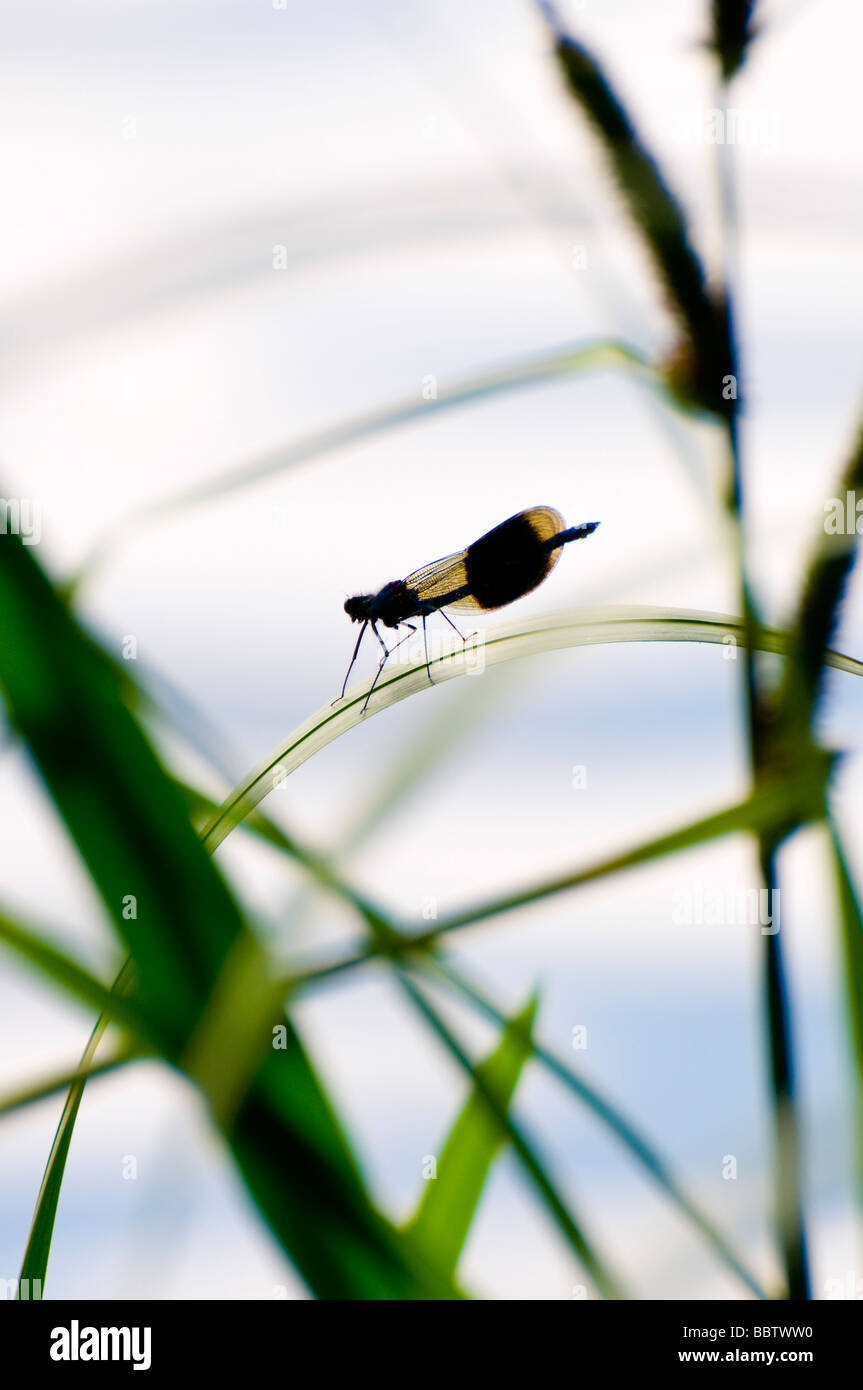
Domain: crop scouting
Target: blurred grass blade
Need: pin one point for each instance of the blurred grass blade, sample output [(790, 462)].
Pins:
[(638, 1147), (832, 559), (488, 1092), (788, 1169), (789, 735), (851, 923), (158, 888), (172, 908), (443, 1218), (425, 751), (56, 966), (704, 359), (225, 1050), (34, 1265), (623, 1130), (534, 371), (203, 809), (791, 801), (732, 33), (563, 1218), (61, 1081), (298, 1165), (572, 627)]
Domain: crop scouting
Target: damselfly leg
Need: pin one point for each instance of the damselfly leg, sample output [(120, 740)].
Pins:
[(388, 651), (351, 667), (464, 639)]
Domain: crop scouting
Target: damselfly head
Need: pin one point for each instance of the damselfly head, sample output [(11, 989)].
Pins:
[(357, 608)]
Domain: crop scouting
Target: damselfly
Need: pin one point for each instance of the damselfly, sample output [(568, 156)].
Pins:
[(501, 566)]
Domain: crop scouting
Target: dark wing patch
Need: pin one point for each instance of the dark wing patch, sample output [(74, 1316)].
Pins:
[(513, 559), (500, 567)]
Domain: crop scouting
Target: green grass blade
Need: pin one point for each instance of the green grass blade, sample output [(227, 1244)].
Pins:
[(830, 564), (303, 1176), (34, 1265), (61, 1081), (566, 1223), (793, 800), (204, 810), (789, 739), (623, 1129), (445, 1212), (439, 739), (851, 925), (783, 1082), (131, 827), (54, 965), (236, 1029), (644, 1154)]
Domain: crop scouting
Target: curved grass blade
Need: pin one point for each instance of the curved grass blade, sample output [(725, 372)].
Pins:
[(849, 666), (441, 737), (35, 1262), (203, 809), (443, 1218), (572, 627)]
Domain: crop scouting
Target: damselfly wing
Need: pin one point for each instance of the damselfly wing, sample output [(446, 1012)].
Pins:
[(503, 565)]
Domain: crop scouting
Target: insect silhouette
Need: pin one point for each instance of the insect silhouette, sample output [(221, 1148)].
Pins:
[(501, 566)]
